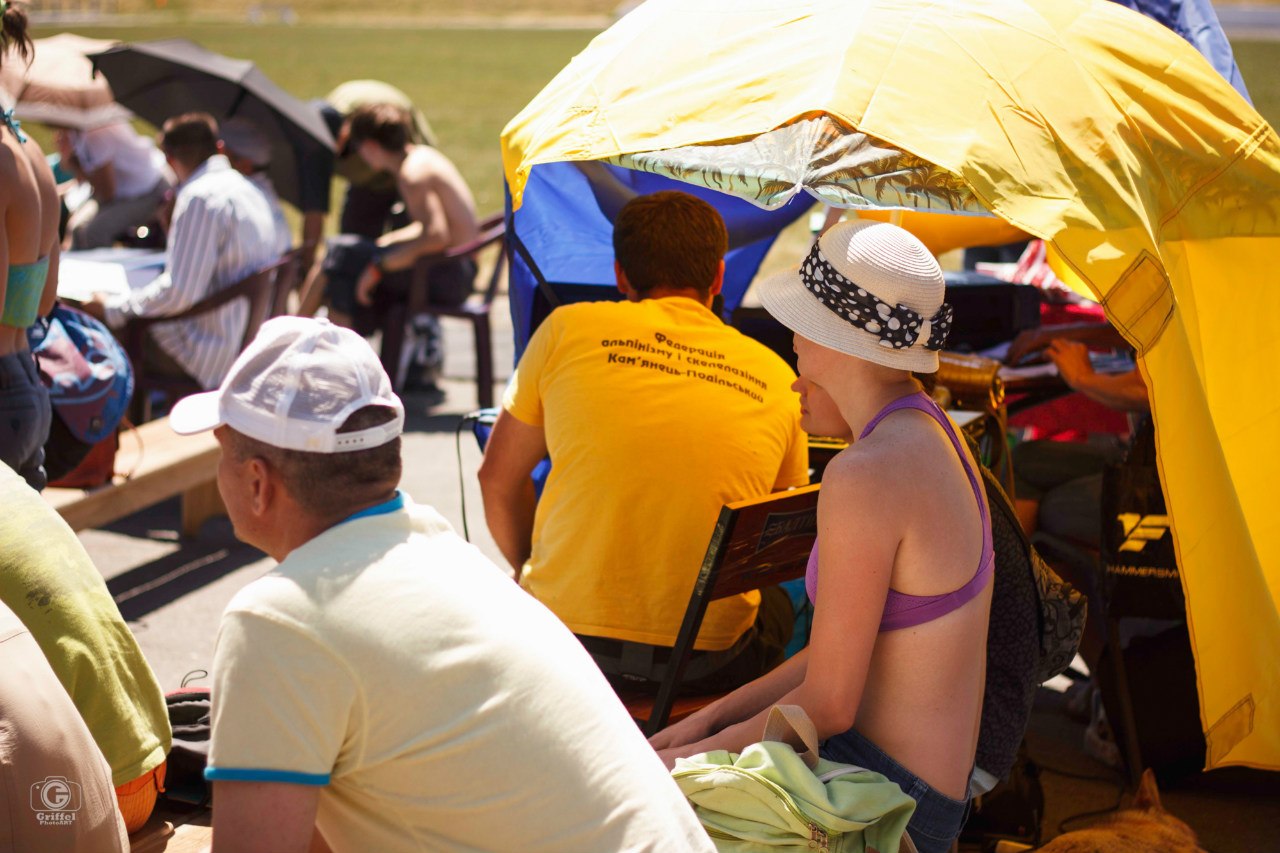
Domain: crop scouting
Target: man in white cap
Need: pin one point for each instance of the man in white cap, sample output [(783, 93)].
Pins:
[(386, 687), (249, 151)]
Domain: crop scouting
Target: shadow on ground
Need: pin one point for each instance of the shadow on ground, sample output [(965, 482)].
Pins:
[(201, 560)]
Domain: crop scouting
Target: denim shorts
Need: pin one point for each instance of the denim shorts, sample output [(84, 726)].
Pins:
[(25, 417), (937, 820)]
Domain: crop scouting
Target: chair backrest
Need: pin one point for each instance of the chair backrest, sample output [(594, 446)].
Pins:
[(756, 543), (258, 288), (492, 229)]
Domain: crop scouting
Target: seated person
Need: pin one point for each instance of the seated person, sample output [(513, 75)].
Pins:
[(656, 414), (1059, 483), (127, 175), (249, 152), (386, 687), (222, 231), (893, 676), (57, 792), (440, 210), (50, 583)]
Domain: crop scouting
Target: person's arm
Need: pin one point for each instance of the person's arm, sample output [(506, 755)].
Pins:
[(50, 294), (264, 817), (312, 234), (427, 234), (193, 256), (1031, 341), (858, 538), (513, 451), (103, 182), (742, 704), (1123, 391)]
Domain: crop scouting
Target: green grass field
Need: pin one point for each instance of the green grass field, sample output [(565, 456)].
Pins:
[(470, 82)]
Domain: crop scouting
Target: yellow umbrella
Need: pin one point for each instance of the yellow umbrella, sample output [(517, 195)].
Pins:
[(1077, 121)]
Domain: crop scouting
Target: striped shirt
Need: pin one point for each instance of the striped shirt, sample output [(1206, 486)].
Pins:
[(284, 239), (222, 231)]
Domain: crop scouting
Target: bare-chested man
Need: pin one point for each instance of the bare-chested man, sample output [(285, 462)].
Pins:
[(365, 279)]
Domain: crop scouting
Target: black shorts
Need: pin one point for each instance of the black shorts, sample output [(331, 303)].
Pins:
[(348, 255)]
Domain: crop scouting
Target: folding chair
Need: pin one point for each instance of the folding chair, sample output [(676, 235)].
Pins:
[(477, 312), (756, 543), (259, 288)]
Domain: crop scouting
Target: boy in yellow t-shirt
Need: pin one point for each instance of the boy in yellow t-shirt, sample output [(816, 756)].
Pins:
[(655, 414)]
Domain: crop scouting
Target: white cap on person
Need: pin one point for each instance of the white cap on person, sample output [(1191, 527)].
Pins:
[(294, 386)]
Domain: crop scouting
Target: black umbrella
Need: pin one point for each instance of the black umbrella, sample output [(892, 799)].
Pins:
[(161, 79)]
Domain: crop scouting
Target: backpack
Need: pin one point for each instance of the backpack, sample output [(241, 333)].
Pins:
[(779, 795), (1037, 619), (90, 382), (191, 722)]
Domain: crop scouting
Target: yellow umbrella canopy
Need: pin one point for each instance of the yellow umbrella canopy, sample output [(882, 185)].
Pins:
[(1155, 184)]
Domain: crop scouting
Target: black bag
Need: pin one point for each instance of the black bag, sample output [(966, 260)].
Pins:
[(1141, 577), (1142, 581), (190, 719), (1036, 623)]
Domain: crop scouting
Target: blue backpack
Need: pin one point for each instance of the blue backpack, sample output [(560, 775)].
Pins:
[(90, 382)]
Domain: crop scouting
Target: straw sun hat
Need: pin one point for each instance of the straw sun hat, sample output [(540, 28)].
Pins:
[(867, 289)]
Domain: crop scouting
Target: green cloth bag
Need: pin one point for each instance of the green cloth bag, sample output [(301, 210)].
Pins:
[(779, 795)]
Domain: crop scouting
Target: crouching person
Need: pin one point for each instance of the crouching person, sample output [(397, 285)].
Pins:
[(386, 687)]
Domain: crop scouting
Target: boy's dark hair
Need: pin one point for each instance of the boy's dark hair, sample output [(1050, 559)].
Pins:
[(190, 138), (386, 125), (327, 485), (669, 239), (13, 32)]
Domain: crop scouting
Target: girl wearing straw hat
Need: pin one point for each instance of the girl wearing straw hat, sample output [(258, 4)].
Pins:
[(901, 573)]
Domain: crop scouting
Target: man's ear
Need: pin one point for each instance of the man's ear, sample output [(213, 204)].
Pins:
[(718, 284), (624, 283), (263, 489)]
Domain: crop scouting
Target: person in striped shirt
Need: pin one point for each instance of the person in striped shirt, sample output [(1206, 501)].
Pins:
[(222, 231)]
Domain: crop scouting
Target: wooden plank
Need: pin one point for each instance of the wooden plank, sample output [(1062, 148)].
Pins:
[(161, 464), (171, 831)]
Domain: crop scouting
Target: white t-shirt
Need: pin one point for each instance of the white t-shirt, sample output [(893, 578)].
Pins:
[(137, 163), (441, 707)]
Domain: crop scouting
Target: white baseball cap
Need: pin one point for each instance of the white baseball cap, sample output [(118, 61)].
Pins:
[(294, 386)]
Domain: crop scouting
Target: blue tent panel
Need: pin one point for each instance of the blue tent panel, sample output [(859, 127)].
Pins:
[(561, 241)]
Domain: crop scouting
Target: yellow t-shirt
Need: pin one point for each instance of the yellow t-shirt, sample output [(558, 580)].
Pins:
[(656, 414), (48, 580)]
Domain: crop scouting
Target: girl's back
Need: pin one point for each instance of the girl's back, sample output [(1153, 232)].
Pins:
[(923, 695)]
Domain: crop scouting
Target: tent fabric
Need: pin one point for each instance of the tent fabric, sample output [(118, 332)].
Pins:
[(1156, 185), (1196, 22), (553, 264)]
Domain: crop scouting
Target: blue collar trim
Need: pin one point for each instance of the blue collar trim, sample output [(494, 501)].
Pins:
[(394, 505)]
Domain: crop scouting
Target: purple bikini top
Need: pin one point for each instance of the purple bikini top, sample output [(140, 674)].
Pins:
[(907, 611)]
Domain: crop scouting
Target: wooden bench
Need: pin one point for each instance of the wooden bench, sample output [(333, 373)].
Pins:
[(174, 830), (155, 463)]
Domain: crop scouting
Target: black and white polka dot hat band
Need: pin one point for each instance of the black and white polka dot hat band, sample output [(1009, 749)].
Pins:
[(867, 289)]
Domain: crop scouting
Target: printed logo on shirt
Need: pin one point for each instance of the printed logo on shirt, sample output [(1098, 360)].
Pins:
[(1141, 529), (55, 800), (670, 356)]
